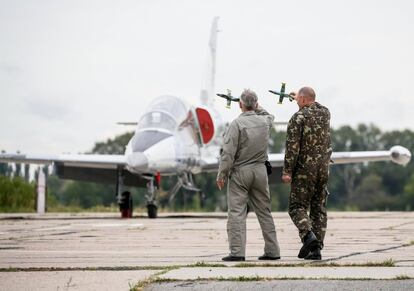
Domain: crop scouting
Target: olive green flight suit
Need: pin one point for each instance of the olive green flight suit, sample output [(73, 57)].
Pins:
[(242, 163), (307, 156)]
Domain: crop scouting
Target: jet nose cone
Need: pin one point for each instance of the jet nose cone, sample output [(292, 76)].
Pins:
[(137, 161)]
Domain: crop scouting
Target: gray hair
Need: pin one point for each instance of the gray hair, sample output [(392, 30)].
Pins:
[(249, 99)]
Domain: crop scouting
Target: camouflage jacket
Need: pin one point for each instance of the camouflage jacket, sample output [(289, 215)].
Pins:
[(245, 142), (308, 141)]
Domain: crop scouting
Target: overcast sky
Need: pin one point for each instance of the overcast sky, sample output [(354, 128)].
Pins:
[(69, 70)]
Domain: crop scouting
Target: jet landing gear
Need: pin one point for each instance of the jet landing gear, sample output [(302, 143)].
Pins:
[(124, 198), (152, 188), (185, 180), (126, 206), (152, 210)]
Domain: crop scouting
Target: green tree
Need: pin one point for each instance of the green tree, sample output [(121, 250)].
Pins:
[(370, 195), (215, 200), (16, 195), (277, 141), (408, 197), (87, 195), (114, 146)]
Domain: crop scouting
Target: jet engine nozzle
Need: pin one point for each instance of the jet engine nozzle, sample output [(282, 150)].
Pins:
[(400, 155)]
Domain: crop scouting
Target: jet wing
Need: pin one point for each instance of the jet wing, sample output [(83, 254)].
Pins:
[(82, 167), (397, 154), (77, 160)]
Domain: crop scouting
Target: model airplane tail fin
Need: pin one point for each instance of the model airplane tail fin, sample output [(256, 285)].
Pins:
[(207, 94)]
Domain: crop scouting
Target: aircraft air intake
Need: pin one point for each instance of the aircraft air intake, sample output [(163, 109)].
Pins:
[(137, 161), (206, 125)]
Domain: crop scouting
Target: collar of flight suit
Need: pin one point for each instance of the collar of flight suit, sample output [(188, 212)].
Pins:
[(248, 113)]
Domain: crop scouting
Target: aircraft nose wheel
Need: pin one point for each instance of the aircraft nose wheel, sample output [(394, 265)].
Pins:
[(152, 210)]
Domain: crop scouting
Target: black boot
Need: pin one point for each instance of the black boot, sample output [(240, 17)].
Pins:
[(268, 258), (231, 258), (314, 255), (310, 243)]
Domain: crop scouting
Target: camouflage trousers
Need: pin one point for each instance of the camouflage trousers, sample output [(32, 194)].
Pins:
[(309, 192)]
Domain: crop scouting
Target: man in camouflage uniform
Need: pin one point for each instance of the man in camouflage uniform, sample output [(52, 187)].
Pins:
[(242, 163), (307, 156)]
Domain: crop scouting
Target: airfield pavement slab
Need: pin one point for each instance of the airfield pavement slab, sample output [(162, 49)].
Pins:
[(291, 285), (71, 243), (227, 273), (73, 280)]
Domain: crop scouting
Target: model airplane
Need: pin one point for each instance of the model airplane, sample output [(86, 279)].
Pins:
[(172, 138), (282, 94), (229, 98)]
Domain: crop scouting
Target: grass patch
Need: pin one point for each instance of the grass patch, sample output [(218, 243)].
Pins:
[(411, 242), (242, 278), (150, 280), (202, 264), (402, 277), (78, 209), (274, 265), (57, 269), (386, 263)]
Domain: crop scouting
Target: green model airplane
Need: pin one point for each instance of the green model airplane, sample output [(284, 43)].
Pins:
[(229, 98), (282, 94)]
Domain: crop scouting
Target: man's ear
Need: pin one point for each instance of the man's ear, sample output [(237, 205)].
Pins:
[(240, 105)]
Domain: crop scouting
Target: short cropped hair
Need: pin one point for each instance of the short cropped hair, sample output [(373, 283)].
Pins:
[(249, 99), (308, 93)]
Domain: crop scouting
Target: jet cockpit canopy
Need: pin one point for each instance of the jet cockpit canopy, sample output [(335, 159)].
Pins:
[(166, 112)]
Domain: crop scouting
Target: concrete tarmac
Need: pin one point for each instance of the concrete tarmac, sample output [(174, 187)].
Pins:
[(57, 248), (291, 285)]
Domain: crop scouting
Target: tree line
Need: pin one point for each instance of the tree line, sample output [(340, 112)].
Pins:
[(364, 186)]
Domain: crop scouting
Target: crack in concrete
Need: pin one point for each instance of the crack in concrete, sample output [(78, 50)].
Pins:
[(363, 253), (396, 226)]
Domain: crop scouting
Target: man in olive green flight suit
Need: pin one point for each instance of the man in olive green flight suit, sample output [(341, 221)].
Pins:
[(242, 164), (307, 156)]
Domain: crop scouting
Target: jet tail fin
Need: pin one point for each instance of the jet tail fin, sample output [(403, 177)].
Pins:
[(207, 94)]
